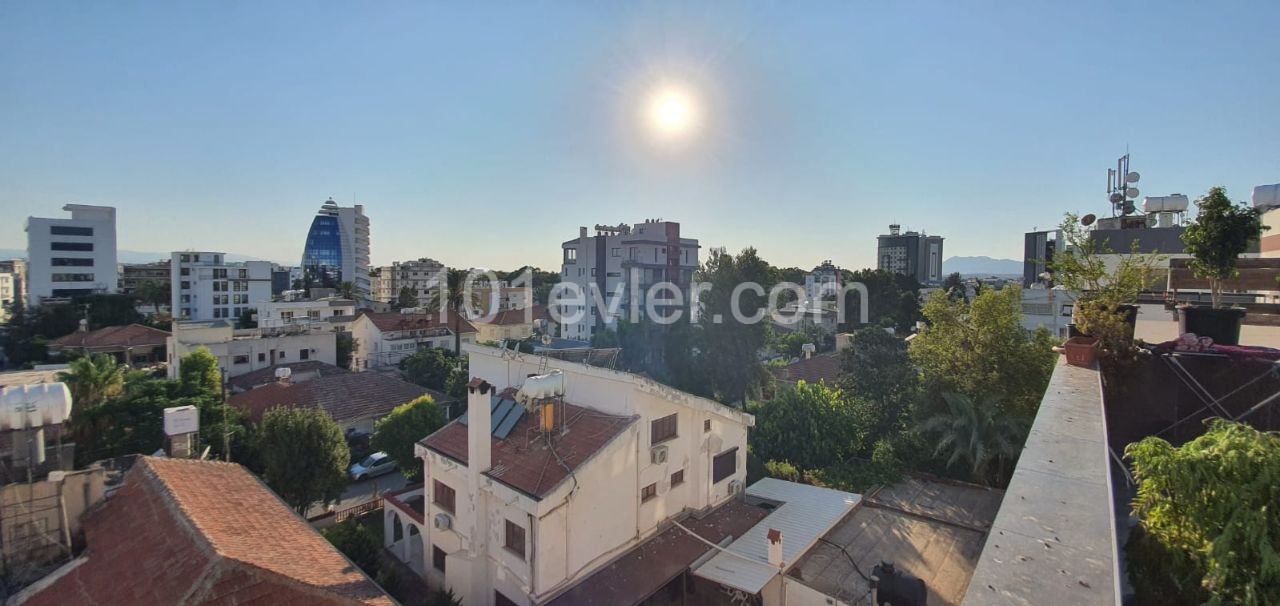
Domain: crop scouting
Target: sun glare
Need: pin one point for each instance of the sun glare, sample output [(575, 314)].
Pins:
[(672, 113)]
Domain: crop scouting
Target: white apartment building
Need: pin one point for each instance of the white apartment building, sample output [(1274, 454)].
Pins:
[(8, 293), (381, 340), (329, 312), (1048, 308), (337, 248), (627, 260), (514, 514), (822, 282), (421, 276), (206, 287), (71, 257), (245, 350)]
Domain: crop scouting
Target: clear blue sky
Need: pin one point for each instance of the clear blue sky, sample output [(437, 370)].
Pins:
[(486, 135)]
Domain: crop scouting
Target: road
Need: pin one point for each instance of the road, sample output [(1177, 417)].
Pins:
[(359, 492)]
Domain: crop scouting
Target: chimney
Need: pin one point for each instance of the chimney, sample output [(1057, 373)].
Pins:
[(775, 547), (479, 451), (582, 232)]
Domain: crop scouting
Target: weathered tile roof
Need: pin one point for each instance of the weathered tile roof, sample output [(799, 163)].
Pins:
[(396, 321), (133, 335), (819, 368), (508, 317), (183, 531), (345, 396), (262, 376)]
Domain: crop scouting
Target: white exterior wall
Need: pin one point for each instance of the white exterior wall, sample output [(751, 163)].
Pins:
[(376, 349), (101, 260), (569, 535), (354, 225), (242, 351), (274, 314), (7, 294), (1047, 308), (200, 282)]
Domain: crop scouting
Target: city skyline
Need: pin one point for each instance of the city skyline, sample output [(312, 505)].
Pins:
[(520, 125)]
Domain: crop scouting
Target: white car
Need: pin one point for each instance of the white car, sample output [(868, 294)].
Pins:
[(375, 464)]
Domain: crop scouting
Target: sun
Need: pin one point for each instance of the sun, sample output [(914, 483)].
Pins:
[(672, 113)]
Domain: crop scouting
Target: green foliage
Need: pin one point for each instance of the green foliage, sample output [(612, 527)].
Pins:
[(1222, 231), (877, 371), (246, 319), (303, 455), (345, 345), (1211, 505), (406, 299), (429, 367), (358, 542), (455, 298), (981, 350), (347, 290), (977, 435), (455, 386), (892, 300), (396, 433), (731, 364), (108, 310), (443, 597), (130, 424), (953, 285), (198, 374), (810, 425), (153, 293), (93, 380), (1084, 267), (784, 470)]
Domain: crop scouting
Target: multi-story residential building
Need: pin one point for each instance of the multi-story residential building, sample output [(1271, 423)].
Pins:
[(337, 248), (240, 351), (512, 324), (423, 277), (497, 297), (1038, 249), (622, 260), (71, 257), (823, 282), (323, 312), (382, 340), (8, 293), (281, 280), (206, 287), (914, 254), (133, 275), (17, 267)]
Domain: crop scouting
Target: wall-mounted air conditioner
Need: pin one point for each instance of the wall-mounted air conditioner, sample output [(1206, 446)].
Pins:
[(442, 521), (658, 454), (735, 486)]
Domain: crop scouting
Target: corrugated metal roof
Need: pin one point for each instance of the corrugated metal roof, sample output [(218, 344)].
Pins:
[(807, 512)]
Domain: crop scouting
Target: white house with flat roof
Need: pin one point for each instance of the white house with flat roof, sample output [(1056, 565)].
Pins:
[(204, 286), (73, 256), (246, 350)]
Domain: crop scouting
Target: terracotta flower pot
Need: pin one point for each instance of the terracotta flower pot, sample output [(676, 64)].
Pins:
[(1081, 351)]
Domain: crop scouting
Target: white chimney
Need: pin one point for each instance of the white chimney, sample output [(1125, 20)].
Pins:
[(775, 547), (479, 452)]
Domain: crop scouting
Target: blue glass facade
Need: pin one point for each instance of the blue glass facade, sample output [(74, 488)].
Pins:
[(322, 257)]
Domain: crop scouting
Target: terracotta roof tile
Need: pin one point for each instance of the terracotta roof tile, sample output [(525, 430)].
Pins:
[(508, 317), (182, 531), (819, 368), (392, 321), (262, 376), (133, 335), (345, 396)]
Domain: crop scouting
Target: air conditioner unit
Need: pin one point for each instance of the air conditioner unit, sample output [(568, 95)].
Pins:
[(658, 455), (735, 486), (442, 521)]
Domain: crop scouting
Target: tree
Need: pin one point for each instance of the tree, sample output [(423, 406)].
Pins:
[(811, 426), (1222, 232), (93, 380), (108, 309), (429, 367), (454, 299), (397, 433), (129, 424), (976, 434), (345, 345), (889, 295), (731, 344), (358, 542), (1211, 504), (246, 319), (877, 369), (953, 285), (153, 293), (198, 374), (406, 299), (347, 290), (981, 350), (304, 456)]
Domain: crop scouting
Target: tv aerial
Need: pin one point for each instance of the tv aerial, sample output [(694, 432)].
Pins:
[(1120, 187)]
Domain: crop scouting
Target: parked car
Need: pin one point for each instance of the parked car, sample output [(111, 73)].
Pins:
[(373, 465)]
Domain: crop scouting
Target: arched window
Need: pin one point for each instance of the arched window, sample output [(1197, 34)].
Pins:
[(397, 531), (413, 530)]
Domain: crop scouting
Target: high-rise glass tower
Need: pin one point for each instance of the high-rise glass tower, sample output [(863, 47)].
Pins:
[(337, 248)]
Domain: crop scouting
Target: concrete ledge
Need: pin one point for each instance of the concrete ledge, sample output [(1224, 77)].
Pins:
[(1054, 539)]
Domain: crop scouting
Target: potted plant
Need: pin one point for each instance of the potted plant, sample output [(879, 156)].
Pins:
[(1222, 231), (1106, 290)]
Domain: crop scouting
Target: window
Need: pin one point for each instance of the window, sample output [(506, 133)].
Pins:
[(67, 230), (648, 492), (184, 271), (617, 252), (661, 430), (501, 600), (677, 478), (724, 465), (437, 558), (240, 360), (184, 285), (81, 246), (443, 496), (262, 357), (304, 354), (69, 262), (185, 258), (515, 538), (72, 277), (593, 271), (282, 354), (706, 425), (220, 273), (570, 255)]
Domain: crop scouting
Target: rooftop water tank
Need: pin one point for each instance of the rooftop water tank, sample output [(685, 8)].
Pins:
[(540, 387), (1175, 203), (27, 406), (1266, 196)]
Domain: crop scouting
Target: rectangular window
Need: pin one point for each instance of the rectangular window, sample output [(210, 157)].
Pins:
[(72, 277), (706, 425), (262, 357), (184, 271), (69, 262), (304, 354), (515, 538), (67, 230), (443, 496), (677, 478), (282, 354), (80, 246), (184, 258), (648, 492), (617, 252), (437, 558), (724, 465), (240, 360), (570, 255), (501, 600), (661, 430), (184, 285)]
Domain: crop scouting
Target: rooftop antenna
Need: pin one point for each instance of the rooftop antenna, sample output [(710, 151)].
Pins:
[(1120, 186)]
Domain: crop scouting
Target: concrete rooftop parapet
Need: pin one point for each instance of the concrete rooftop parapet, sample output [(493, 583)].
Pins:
[(1054, 538)]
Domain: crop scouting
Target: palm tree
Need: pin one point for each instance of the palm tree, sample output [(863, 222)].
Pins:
[(154, 293), (348, 290), (978, 434), (454, 298), (93, 380)]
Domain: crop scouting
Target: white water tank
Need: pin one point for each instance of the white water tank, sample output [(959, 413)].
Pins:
[(540, 387), (27, 406), (1266, 196), (1175, 203)]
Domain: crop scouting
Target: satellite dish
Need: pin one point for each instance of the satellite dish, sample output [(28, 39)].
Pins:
[(1128, 207), (1117, 198), (1132, 177), (1088, 219), (546, 339), (1132, 192)]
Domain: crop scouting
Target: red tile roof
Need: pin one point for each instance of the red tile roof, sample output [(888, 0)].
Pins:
[(262, 376), (182, 531), (532, 467), (395, 321), (652, 564), (133, 335), (345, 396), (819, 368), (508, 317)]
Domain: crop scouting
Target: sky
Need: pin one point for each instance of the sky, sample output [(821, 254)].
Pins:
[(485, 134)]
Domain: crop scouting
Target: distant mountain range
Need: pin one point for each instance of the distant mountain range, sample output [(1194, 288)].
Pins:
[(982, 266), (129, 256)]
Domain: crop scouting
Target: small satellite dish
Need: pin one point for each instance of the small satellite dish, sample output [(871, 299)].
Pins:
[(1132, 177), (546, 339), (1132, 192), (1088, 219), (1117, 198)]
